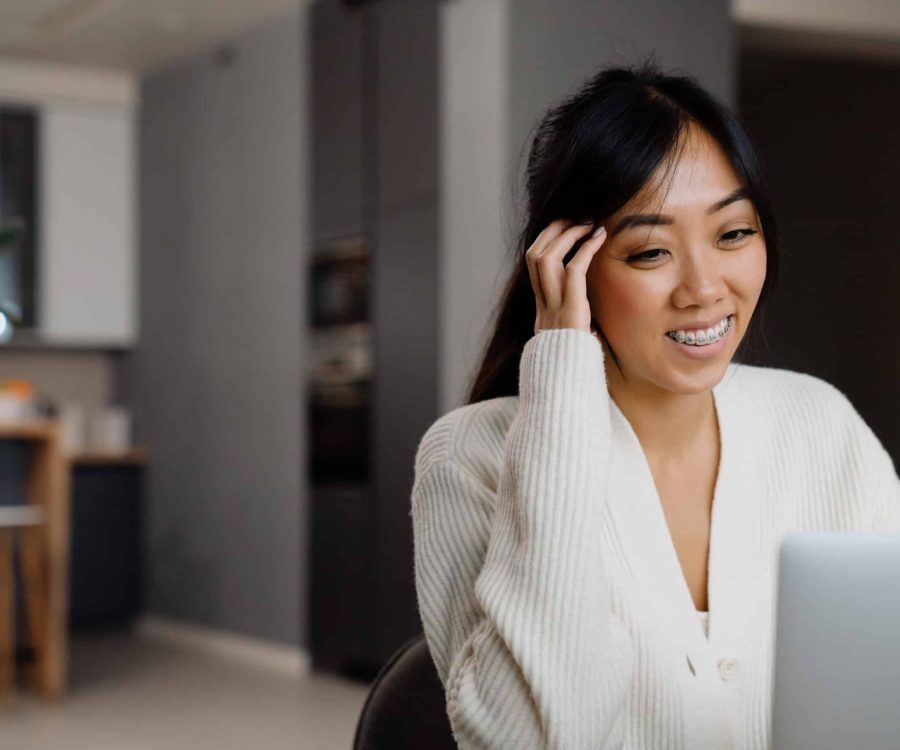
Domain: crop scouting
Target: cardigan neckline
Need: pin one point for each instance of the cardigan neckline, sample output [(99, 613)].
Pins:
[(733, 555)]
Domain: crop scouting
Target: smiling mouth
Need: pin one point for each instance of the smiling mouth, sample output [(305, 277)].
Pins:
[(703, 337)]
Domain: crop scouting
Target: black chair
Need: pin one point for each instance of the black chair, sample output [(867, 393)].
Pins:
[(406, 707)]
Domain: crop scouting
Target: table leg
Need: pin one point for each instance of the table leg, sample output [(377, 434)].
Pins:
[(34, 590), (7, 614)]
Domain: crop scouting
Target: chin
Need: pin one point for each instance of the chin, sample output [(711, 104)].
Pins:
[(701, 380), (673, 373)]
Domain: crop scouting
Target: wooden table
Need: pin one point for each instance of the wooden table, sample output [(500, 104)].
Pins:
[(43, 535)]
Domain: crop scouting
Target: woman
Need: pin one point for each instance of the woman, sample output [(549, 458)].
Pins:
[(596, 532)]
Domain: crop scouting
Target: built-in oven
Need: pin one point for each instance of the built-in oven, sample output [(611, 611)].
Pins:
[(340, 380)]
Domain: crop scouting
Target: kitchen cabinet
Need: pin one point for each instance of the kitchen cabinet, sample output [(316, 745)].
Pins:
[(106, 512), (87, 257), (373, 271)]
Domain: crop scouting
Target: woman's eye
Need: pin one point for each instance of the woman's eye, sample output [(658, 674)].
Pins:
[(646, 255), (735, 235), (741, 233)]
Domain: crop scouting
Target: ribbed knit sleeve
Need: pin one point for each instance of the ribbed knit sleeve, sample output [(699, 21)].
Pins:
[(511, 583), (867, 458), (888, 517), (887, 494)]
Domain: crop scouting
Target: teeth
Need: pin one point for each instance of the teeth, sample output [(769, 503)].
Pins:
[(702, 337)]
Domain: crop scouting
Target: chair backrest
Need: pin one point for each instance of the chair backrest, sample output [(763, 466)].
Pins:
[(406, 707)]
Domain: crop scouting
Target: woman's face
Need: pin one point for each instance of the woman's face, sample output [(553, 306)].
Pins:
[(683, 263)]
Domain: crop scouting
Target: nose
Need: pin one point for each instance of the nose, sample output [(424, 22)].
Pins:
[(701, 279)]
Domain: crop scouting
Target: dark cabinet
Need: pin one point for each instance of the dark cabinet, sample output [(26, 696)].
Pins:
[(105, 547), (342, 604), (373, 283)]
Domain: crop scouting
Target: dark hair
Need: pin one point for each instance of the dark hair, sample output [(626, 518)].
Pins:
[(590, 155)]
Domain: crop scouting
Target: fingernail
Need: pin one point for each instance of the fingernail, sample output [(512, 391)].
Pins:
[(598, 231)]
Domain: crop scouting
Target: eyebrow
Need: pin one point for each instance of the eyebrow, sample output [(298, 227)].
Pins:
[(644, 220)]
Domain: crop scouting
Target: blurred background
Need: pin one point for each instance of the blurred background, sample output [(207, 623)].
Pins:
[(249, 252)]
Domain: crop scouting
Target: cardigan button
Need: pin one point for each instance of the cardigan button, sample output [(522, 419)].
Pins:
[(728, 668)]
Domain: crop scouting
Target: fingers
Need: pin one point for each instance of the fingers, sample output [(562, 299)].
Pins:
[(575, 274), (582, 260), (561, 289), (545, 257), (549, 233)]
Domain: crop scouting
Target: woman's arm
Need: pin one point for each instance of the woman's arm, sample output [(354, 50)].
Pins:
[(515, 603), (887, 505), (867, 464)]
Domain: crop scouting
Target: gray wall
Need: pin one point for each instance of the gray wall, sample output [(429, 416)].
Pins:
[(474, 101), (541, 50), (555, 45), (216, 380)]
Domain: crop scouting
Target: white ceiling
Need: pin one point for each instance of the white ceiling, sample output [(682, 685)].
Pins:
[(861, 28), (877, 19), (142, 35), (131, 35)]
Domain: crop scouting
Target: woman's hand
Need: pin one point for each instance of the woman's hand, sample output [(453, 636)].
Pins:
[(561, 290)]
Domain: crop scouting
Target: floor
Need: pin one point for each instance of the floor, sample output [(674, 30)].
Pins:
[(133, 694)]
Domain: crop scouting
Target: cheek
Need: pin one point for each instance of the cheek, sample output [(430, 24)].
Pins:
[(751, 271), (623, 300)]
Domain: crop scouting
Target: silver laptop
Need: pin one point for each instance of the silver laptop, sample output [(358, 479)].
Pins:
[(837, 643)]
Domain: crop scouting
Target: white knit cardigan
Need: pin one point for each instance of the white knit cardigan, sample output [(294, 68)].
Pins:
[(550, 592)]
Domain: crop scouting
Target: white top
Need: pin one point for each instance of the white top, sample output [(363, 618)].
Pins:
[(550, 592), (704, 621)]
